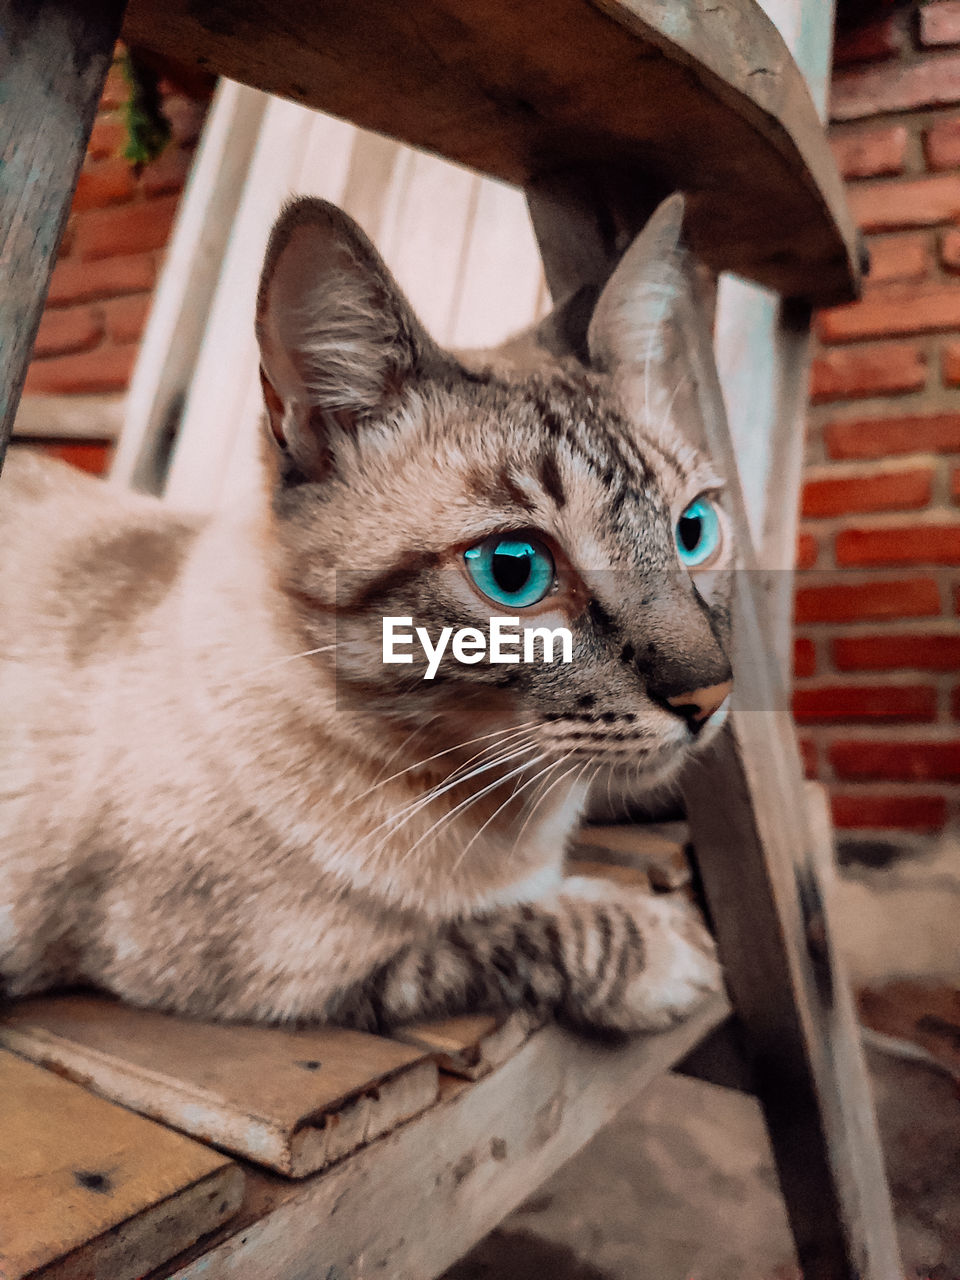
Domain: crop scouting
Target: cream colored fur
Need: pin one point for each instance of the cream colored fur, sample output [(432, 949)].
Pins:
[(194, 814)]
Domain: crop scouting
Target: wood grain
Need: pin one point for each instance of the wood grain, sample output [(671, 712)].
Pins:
[(694, 96), (473, 1045), (292, 1100), (412, 1203), (87, 1188), (53, 61)]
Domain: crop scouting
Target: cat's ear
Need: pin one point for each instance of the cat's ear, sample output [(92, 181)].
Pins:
[(339, 343), (631, 320)]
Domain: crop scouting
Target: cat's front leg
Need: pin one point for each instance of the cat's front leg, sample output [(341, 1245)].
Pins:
[(594, 955)]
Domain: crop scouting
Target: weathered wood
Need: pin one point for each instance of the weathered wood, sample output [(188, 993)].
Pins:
[(658, 850), (473, 1045), (292, 1100), (54, 59), (749, 827), (181, 303), (702, 98), (87, 1188), (412, 1203)]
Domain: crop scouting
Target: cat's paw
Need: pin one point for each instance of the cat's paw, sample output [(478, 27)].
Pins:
[(680, 970), (667, 964)]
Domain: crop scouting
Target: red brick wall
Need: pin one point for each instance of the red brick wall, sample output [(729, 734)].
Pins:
[(878, 644), (119, 224)]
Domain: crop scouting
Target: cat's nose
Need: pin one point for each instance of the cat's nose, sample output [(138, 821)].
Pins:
[(697, 705)]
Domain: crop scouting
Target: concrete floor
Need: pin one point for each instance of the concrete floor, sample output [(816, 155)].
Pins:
[(682, 1187)]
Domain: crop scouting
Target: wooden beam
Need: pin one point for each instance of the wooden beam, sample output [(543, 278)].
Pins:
[(417, 1199), (749, 827), (55, 58), (703, 98), (293, 1100), (89, 1189)]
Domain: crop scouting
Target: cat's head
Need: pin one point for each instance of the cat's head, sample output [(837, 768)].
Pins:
[(409, 483)]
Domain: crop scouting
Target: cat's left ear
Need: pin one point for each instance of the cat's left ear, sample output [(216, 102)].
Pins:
[(631, 321), (339, 343)]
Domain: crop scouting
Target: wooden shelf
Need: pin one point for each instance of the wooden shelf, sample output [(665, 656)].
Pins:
[(647, 96)]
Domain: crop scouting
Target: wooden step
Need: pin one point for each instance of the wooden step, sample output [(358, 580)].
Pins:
[(648, 96), (89, 1189), (292, 1100), (414, 1202)]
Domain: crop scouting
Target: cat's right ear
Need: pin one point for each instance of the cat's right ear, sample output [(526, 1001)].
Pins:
[(339, 343)]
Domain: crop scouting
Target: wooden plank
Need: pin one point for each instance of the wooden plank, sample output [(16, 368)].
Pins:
[(53, 63), (471, 1046), (748, 824), (69, 417), (87, 1188), (182, 301), (412, 1203), (292, 1100), (704, 98), (658, 850)]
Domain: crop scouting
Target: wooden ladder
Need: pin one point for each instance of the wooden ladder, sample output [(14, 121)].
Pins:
[(597, 108)]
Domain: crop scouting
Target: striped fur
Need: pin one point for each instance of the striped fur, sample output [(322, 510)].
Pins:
[(216, 799)]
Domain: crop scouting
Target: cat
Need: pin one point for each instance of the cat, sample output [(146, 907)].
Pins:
[(216, 798)]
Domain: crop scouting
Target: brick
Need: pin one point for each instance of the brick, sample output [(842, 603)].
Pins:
[(950, 364), (880, 491), (84, 373), (883, 369), (940, 23), (808, 754), (899, 309), (168, 173), (892, 206), (909, 813), (955, 702), (898, 258), (107, 138), (72, 329), (807, 551), (897, 761), (804, 657), (956, 600), (92, 456), (913, 544), (941, 145), (871, 91), (868, 601), (950, 250), (131, 228), (125, 317), (104, 183), (869, 43), (87, 281), (870, 154), (955, 484), (915, 703), (902, 651), (879, 437)]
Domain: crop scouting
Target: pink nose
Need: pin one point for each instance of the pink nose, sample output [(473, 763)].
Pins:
[(699, 705)]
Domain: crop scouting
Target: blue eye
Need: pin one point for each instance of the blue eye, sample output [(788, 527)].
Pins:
[(512, 570), (698, 533)]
